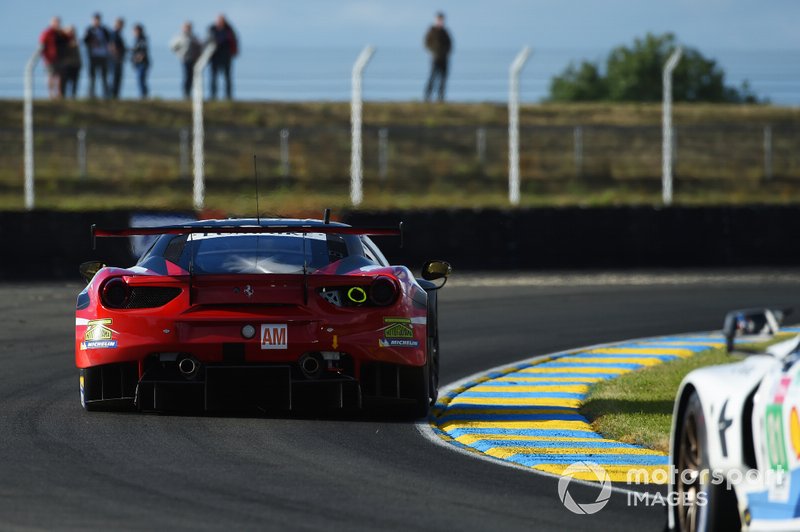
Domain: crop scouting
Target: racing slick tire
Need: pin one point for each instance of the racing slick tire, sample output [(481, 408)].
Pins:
[(433, 371), (693, 478), (421, 392)]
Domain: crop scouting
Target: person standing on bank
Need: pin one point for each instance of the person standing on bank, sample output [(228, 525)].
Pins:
[(223, 35), (187, 47), (97, 44), (439, 44), (118, 50), (51, 43), (70, 64), (140, 57)]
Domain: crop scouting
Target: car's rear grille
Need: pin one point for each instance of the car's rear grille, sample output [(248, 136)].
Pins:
[(151, 296)]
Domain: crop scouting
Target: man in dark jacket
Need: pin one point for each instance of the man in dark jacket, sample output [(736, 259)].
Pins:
[(439, 44), (118, 50), (97, 40), (223, 35)]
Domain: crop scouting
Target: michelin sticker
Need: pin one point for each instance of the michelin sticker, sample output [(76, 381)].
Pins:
[(398, 333), (99, 335)]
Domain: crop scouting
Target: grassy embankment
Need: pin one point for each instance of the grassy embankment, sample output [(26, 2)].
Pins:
[(133, 155), (637, 407)]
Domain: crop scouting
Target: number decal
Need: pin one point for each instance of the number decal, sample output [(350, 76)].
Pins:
[(776, 446)]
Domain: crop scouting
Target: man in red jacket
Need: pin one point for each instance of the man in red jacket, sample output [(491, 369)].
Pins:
[(51, 42)]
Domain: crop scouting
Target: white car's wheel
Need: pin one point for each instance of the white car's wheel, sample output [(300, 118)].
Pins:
[(691, 460), (701, 505)]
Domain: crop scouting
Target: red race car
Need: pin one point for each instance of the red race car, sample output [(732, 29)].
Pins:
[(265, 315)]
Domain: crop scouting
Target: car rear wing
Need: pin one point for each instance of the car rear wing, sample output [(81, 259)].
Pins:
[(246, 229)]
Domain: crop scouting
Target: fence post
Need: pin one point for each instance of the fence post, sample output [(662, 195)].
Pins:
[(356, 171), (767, 152), (674, 147), (480, 144), (82, 153), (513, 124), (666, 123), (578, 155), (198, 138), (285, 170), (383, 153), (27, 126), (184, 152)]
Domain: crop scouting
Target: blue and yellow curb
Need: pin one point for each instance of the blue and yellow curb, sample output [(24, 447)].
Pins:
[(528, 413)]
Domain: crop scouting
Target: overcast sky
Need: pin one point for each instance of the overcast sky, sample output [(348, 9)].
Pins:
[(595, 25)]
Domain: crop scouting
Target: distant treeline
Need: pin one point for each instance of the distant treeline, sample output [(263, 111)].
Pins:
[(634, 74)]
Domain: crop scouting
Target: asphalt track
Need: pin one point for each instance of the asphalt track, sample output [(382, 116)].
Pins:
[(62, 468)]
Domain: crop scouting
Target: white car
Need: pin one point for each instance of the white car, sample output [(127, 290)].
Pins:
[(735, 441)]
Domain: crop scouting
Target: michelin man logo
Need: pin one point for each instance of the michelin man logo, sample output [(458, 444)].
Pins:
[(588, 471)]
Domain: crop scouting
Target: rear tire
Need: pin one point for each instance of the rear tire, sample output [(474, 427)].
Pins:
[(421, 396), (433, 372), (89, 407)]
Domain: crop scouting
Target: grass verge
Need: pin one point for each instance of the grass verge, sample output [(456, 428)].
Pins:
[(637, 407), (131, 155)]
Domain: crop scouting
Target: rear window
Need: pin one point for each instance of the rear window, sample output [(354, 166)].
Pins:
[(271, 253)]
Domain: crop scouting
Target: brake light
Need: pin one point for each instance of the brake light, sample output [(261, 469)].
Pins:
[(115, 293), (383, 291)]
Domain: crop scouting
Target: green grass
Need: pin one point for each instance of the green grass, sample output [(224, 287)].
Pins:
[(637, 407), (165, 113), (300, 201), (133, 155)]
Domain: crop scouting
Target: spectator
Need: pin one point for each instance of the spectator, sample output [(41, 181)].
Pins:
[(97, 48), (223, 35), (187, 47), (117, 50), (70, 64), (140, 58), (51, 42), (438, 43)]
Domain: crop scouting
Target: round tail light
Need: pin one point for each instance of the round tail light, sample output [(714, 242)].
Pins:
[(383, 291), (115, 293)]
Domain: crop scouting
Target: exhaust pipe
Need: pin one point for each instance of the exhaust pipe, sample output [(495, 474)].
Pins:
[(188, 366), (311, 365)]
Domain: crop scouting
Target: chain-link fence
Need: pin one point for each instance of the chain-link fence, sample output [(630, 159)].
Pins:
[(145, 160)]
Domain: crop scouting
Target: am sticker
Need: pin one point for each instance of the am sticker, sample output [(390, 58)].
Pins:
[(274, 336)]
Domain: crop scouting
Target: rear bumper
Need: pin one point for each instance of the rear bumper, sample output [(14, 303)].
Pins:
[(218, 338), (221, 387)]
